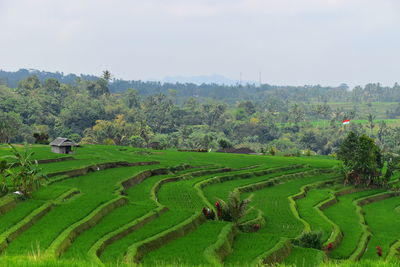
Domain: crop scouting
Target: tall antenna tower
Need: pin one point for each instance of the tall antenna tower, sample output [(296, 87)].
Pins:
[(259, 78), (240, 78)]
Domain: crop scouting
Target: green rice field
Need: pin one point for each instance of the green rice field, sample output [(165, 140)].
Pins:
[(122, 206)]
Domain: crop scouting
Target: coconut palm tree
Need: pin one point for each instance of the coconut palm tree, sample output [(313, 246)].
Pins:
[(371, 123)]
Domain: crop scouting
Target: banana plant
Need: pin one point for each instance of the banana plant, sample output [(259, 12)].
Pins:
[(25, 173)]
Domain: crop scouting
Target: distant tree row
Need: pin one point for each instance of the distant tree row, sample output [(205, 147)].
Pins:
[(373, 92), (87, 111)]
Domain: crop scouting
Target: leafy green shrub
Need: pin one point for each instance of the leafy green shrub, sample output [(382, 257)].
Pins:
[(311, 239), (224, 143)]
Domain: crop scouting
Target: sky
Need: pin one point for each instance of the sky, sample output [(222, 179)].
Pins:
[(291, 42)]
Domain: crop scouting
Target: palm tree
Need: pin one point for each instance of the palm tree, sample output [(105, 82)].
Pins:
[(371, 123), (107, 75), (234, 209)]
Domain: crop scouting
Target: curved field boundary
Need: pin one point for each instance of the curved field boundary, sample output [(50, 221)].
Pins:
[(41, 161), (247, 226), (65, 239), (337, 235), (8, 203), (302, 194), (220, 179), (245, 175), (97, 249), (8, 236), (44, 161), (276, 254), (185, 177), (216, 253), (366, 236), (279, 180), (283, 248), (96, 167), (394, 251), (136, 252)]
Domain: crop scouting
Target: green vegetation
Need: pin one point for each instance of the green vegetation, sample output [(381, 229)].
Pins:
[(307, 208), (278, 120), (362, 161), (305, 257), (153, 213), (345, 215), (197, 241), (382, 218), (96, 188), (27, 177)]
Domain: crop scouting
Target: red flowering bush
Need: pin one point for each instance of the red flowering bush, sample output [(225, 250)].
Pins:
[(379, 251), (256, 227), (219, 210), (209, 214), (329, 247)]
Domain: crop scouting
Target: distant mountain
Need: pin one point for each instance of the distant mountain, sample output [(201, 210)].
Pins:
[(204, 79), (11, 78)]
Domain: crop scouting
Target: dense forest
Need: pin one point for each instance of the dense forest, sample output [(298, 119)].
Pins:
[(38, 106)]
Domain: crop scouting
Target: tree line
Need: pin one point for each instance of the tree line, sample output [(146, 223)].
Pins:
[(87, 111)]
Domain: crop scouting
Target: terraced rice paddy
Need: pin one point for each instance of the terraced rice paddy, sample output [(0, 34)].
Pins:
[(148, 209), (346, 216), (383, 219)]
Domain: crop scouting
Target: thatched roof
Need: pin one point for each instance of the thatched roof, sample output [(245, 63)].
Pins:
[(59, 141)]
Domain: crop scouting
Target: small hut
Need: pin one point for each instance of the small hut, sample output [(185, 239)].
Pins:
[(62, 145)]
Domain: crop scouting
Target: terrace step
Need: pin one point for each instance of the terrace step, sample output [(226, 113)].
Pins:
[(280, 180), (44, 161), (184, 227), (282, 187), (115, 234), (316, 214), (339, 238), (245, 175), (65, 239), (12, 233), (368, 235), (96, 167), (8, 202), (137, 251)]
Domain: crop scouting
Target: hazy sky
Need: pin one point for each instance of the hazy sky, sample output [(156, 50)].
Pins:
[(290, 41)]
